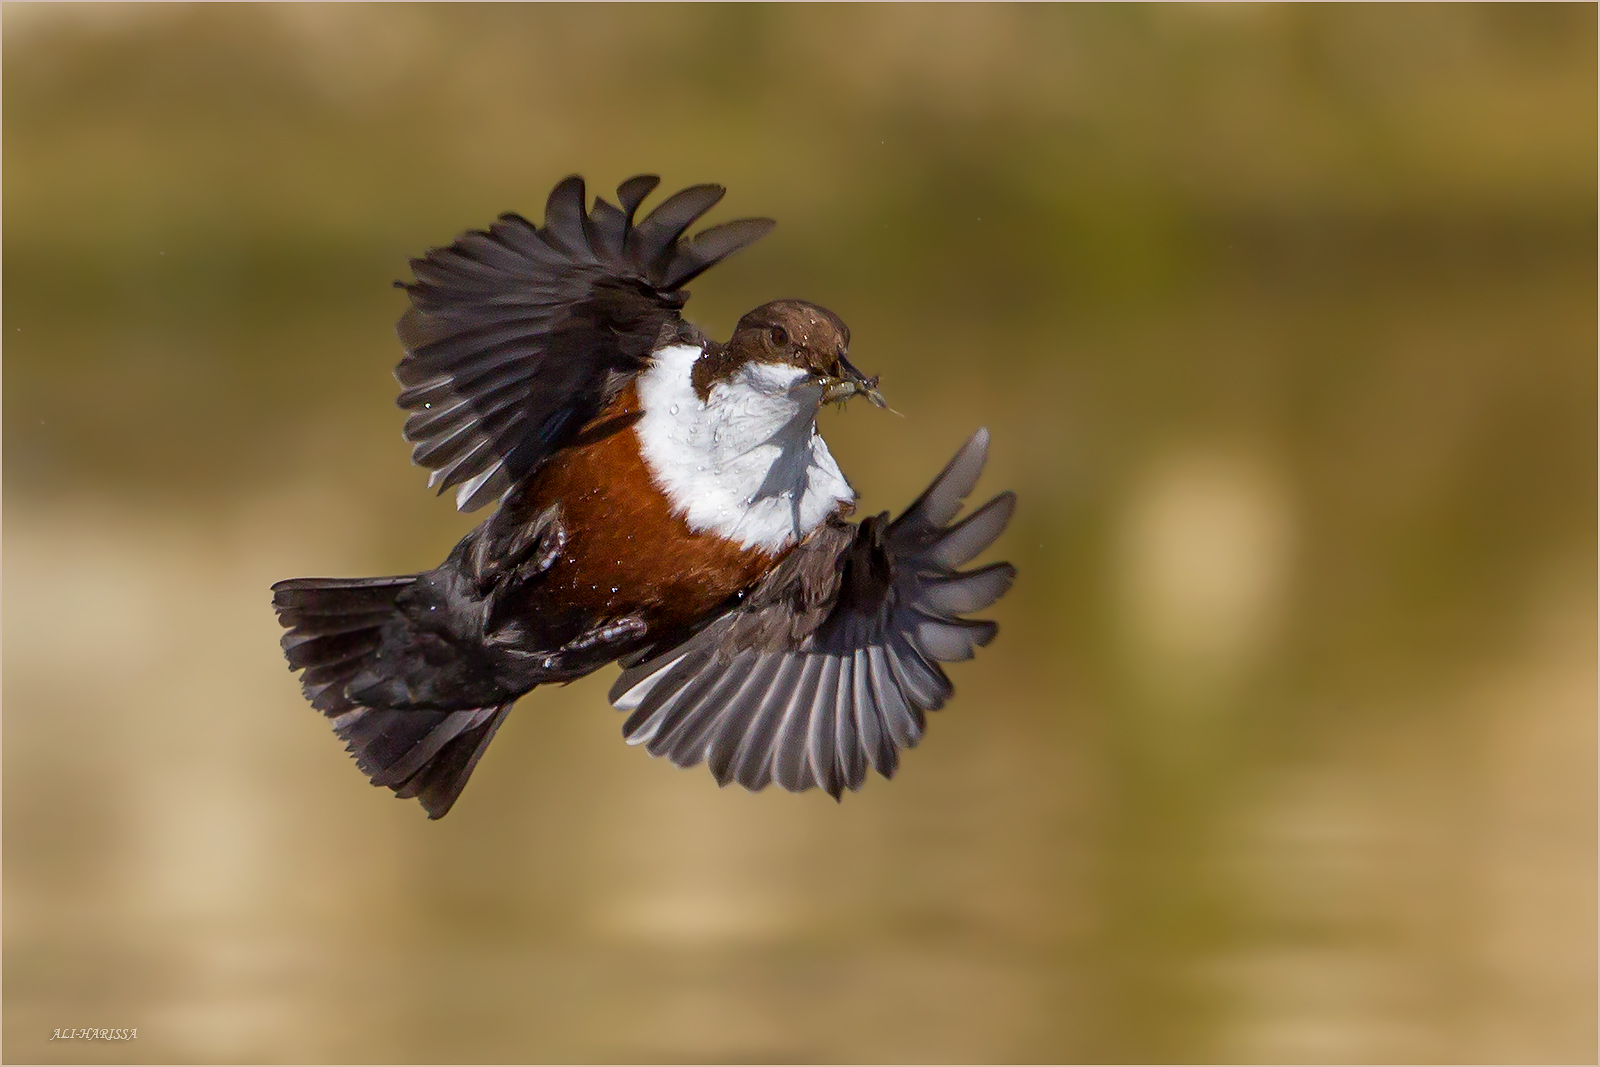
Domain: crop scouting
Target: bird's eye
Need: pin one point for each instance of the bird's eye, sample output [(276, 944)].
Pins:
[(780, 336)]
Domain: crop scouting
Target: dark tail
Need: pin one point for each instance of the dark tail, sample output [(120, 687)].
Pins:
[(336, 629)]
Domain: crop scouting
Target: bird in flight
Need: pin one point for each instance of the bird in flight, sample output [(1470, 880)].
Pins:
[(664, 501)]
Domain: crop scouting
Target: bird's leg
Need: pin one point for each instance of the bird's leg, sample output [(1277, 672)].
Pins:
[(627, 626)]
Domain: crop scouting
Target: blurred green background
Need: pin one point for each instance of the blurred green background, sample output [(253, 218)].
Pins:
[(1284, 319)]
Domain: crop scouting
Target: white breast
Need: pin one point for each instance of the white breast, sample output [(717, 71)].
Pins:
[(747, 463)]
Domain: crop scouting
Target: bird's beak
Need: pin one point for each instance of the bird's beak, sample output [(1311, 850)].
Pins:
[(851, 383)]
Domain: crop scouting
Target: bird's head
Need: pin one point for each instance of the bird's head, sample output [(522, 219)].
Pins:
[(812, 339)]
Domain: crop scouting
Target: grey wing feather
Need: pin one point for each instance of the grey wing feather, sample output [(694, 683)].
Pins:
[(519, 335), (776, 690)]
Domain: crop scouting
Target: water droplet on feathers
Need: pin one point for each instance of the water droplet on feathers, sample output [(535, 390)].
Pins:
[(673, 410)]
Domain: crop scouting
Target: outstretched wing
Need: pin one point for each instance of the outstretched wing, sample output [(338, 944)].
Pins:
[(518, 336), (831, 662)]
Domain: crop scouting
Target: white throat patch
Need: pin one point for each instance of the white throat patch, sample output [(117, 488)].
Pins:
[(747, 463)]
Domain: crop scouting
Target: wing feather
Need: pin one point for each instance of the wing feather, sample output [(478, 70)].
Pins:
[(654, 237), (482, 487), (789, 746), (869, 726), (631, 193), (900, 719), (563, 220), (518, 335), (642, 724), (751, 765), (673, 708), (633, 696), (608, 229), (694, 256), (686, 746), (950, 641), (733, 722), (961, 593), (923, 683), (940, 502), (974, 533), (849, 763), (774, 691), (822, 743)]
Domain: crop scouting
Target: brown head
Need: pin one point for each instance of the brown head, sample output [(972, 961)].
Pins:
[(796, 333)]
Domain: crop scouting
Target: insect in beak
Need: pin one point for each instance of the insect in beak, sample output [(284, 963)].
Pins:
[(838, 390), (849, 382)]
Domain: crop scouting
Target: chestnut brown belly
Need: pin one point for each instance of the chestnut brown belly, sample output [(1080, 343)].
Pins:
[(626, 552)]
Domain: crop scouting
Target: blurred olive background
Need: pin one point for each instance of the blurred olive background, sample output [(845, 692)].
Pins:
[(1284, 320)]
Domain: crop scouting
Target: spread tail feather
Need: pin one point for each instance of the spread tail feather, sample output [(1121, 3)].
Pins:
[(424, 754), (335, 629)]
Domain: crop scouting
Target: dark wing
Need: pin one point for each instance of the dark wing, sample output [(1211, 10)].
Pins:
[(518, 336), (829, 665)]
